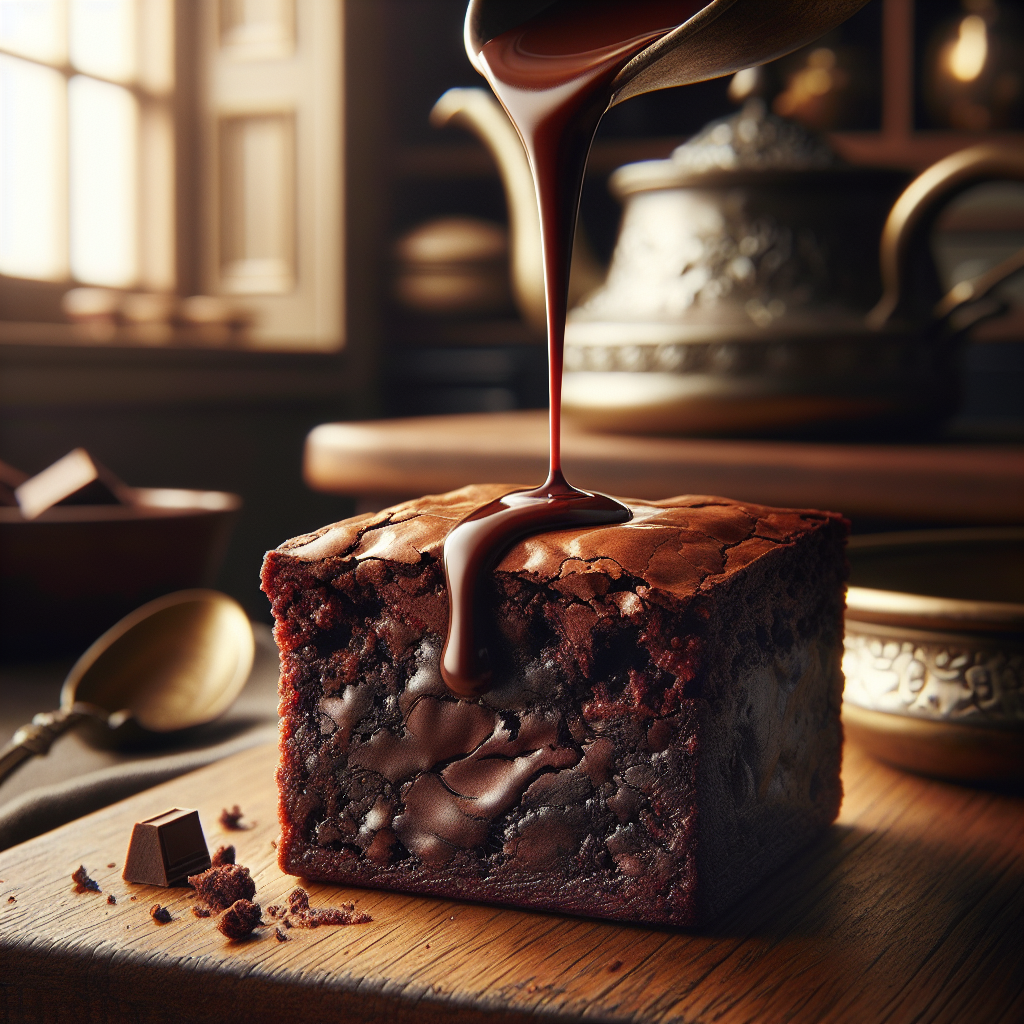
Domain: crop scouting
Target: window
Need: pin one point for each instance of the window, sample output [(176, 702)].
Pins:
[(87, 142), (92, 191), (273, 168)]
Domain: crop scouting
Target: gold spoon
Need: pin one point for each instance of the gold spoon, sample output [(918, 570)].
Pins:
[(176, 662)]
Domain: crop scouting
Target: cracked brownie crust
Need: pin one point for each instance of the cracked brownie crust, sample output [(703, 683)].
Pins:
[(662, 733)]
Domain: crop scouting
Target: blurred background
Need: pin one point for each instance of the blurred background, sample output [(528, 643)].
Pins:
[(213, 214)]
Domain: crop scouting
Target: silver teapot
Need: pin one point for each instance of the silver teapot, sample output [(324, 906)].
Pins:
[(743, 293)]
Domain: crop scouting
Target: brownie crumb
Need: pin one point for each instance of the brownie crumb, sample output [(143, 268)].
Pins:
[(83, 883), (238, 921), (112, 864), (133, 898), (111, 899), (202, 911), (299, 914), (231, 820), (298, 900), (345, 914), (280, 935), (219, 887), (12, 899), (224, 855), (614, 966), (160, 914)]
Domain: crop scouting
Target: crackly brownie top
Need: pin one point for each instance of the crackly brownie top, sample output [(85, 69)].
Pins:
[(679, 546)]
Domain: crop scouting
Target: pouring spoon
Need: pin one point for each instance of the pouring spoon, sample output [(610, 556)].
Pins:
[(174, 663), (723, 37)]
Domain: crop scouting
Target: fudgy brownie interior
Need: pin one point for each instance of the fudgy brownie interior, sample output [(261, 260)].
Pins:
[(663, 729)]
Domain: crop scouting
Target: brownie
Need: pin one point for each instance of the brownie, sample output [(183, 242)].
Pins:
[(662, 733)]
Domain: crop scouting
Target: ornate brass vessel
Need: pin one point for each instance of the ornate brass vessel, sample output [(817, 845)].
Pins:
[(934, 659), (743, 294)]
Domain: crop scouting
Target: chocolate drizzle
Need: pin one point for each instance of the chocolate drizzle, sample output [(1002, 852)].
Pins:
[(553, 76)]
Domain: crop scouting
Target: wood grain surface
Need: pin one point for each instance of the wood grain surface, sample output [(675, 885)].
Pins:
[(909, 910), (934, 483)]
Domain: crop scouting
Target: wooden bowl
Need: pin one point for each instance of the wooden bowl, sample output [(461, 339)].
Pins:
[(72, 573), (934, 658)]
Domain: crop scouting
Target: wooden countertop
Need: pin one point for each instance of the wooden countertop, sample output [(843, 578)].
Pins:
[(909, 910), (390, 460)]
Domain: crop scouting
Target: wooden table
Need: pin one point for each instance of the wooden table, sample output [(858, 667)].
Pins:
[(387, 460), (909, 910)]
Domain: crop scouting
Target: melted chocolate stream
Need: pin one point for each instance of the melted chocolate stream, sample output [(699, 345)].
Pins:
[(553, 76)]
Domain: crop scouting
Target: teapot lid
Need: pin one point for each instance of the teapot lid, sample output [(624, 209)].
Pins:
[(752, 139)]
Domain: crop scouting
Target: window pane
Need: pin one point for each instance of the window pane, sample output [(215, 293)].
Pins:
[(156, 154), (32, 207), (257, 204), (34, 28), (103, 160), (258, 29), (102, 38), (156, 45)]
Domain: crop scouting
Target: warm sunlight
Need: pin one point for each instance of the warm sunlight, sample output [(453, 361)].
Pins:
[(969, 53)]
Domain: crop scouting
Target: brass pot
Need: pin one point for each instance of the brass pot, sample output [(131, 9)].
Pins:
[(934, 651), (740, 294)]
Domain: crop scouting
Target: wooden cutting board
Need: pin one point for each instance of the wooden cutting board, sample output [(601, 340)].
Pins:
[(909, 910)]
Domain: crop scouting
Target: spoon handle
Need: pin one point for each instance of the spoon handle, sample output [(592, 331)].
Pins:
[(36, 738)]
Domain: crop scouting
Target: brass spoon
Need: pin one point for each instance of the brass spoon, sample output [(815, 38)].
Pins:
[(176, 662)]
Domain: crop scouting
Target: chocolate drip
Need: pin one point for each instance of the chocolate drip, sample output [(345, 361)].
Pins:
[(475, 545), (553, 76)]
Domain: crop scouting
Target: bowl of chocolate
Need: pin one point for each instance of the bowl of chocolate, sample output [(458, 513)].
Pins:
[(79, 549), (934, 652)]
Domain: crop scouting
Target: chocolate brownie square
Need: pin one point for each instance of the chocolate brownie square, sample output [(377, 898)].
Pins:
[(662, 733)]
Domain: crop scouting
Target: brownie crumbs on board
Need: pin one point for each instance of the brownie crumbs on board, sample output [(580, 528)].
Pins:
[(83, 883), (219, 887), (280, 935), (239, 920), (202, 911), (160, 914), (12, 899), (224, 855), (232, 820), (111, 899), (299, 914)]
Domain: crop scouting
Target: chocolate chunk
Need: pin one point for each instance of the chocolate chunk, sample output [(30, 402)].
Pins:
[(224, 855), (239, 920), (231, 820), (75, 479), (166, 849), (83, 883), (160, 914), (219, 887)]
